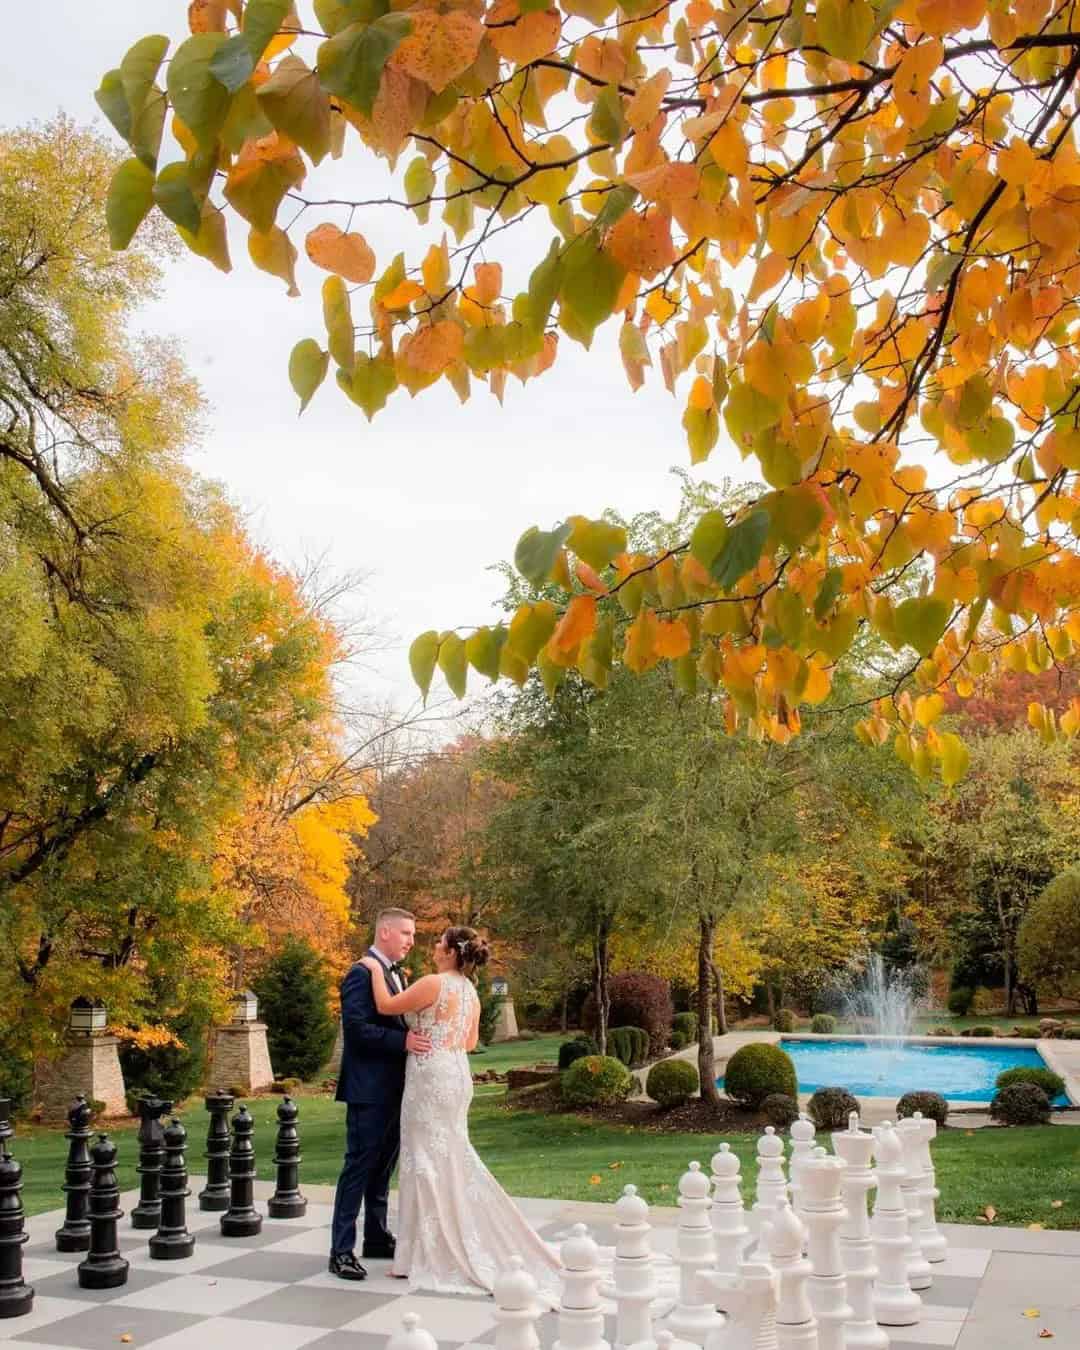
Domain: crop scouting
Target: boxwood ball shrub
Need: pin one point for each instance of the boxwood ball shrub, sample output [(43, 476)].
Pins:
[(640, 1042), (830, 1107), (677, 1040), (780, 1110), (960, 1000), (756, 1071), (1051, 1083), (932, 1104), (1021, 1104), (981, 1031), (576, 1049), (672, 1082), (823, 1024), (1071, 1033), (784, 1020), (687, 1023), (595, 1080), (638, 999)]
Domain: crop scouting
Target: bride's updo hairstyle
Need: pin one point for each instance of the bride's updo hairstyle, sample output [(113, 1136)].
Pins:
[(469, 948)]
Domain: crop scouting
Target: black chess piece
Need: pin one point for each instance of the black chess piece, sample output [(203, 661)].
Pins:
[(172, 1241), (103, 1267), (241, 1219), (215, 1194), (7, 1130), (16, 1296), (147, 1213), (287, 1202), (74, 1235)]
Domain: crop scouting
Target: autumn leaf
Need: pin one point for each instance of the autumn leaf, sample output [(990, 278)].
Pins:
[(346, 254), (576, 624), (264, 171), (439, 47)]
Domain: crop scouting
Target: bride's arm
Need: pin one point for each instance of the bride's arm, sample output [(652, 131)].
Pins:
[(422, 994), (474, 1031)]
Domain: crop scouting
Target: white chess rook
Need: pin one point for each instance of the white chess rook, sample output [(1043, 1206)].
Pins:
[(920, 1275), (796, 1327), (934, 1246), (634, 1286), (695, 1313), (412, 1336), (730, 1232), (856, 1148), (802, 1146), (581, 1313), (517, 1308), (749, 1299), (895, 1302), (824, 1215)]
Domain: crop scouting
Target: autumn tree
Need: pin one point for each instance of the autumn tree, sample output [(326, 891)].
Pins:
[(1048, 940)]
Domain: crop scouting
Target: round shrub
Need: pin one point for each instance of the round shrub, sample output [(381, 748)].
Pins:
[(756, 1071), (830, 1107), (1071, 1033), (620, 1045), (960, 1000), (784, 1020), (1021, 1104), (294, 1002), (637, 1000), (677, 1040), (983, 1031), (672, 1082), (687, 1023), (932, 1104), (943, 1031), (641, 1044), (824, 1024), (172, 1072), (576, 1049), (780, 1110), (595, 1080), (1051, 1083)]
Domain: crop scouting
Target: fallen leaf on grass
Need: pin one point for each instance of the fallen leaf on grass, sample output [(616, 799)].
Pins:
[(1045, 1334), (1056, 1204), (991, 1213), (970, 1134), (1035, 1227), (595, 1179), (125, 1339), (1031, 1312), (614, 1167)]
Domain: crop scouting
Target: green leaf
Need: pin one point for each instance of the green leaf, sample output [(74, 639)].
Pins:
[(298, 105), (596, 658), (940, 268), (308, 364), (742, 549), (551, 675), (618, 201), (174, 197), (544, 287), (200, 101), (993, 441), (453, 663), (111, 99), (211, 241), (536, 551), (419, 185), (351, 63), (131, 195), (921, 622), (485, 347), (232, 65), (702, 427), (262, 20), (274, 252), (423, 654), (828, 592), (149, 127), (846, 27), (334, 15), (686, 674), (337, 315), (608, 120), (138, 71), (590, 284), (747, 412), (595, 541), (530, 628), (709, 537), (372, 382), (483, 648), (796, 515)]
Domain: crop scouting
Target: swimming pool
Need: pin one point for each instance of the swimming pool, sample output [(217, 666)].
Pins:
[(959, 1072)]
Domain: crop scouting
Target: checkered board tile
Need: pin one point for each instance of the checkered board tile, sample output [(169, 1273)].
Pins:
[(273, 1292)]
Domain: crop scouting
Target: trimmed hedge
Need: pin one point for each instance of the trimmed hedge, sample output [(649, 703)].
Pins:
[(595, 1080), (637, 1000), (830, 1107), (672, 1082), (1021, 1104), (823, 1024), (982, 1031), (780, 1110), (756, 1071), (578, 1048), (677, 1040), (1051, 1083), (932, 1104), (784, 1020), (629, 1045), (960, 1000), (687, 1023)]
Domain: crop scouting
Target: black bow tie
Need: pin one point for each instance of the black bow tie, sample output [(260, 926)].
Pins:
[(397, 968)]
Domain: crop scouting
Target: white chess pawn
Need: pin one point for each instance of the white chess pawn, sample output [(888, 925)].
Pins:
[(911, 1188), (856, 1148), (634, 1286), (931, 1238), (802, 1146), (664, 1340), (824, 1215), (581, 1313), (728, 1221), (796, 1328), (771, 1182), (412, 1336), (749, 1299), (895, 1302), (517, 1308), (695, 1314)]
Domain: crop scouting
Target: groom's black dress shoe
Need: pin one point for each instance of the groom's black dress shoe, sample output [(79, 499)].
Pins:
[(346, 1267), (380, 1251)]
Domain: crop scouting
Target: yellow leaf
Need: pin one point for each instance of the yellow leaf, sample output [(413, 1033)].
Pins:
[(403, 294), (1031, 1312), (435, 268), (639, 652), (928, 708), (660, 307)]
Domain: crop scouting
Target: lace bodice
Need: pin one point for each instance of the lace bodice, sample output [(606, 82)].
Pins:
[(449, 1020)]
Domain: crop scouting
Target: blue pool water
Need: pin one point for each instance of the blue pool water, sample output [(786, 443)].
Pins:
[(958, 1072)]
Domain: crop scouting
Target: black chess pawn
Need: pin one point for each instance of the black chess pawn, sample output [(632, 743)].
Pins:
[(16, 1296), (172, 1241), (74, 1235), (287, 1202), (103, 1267), (215, 1194), (7, 1131), (241, 1219), (147, 1213)]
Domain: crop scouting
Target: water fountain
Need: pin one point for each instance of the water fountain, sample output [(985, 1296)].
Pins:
[(883, 997)]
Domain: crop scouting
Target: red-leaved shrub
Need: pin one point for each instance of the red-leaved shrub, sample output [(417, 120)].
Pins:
[(637, 1000)]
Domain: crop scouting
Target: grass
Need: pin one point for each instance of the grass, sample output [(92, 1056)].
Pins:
[(518, 1054), (1019, 1172)]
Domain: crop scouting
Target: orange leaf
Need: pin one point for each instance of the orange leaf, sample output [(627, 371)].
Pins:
[(642, 243), (488, 285), (595, 1179), (672, 639), (589, 578), (576, 624), (770, 272), (667, 182), (439, 48), (640, 652), (435, 348), (526, 37), (403, 294), (346, 254)]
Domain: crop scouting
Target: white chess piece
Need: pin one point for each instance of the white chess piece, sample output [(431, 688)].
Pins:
[(695, 1314), (412, 1336), (802, 1146), (796, 1328), (634, 1286), (856, 1148), (664, 1340), (934, 1246), (581, 1314), (517, 1308), (728, 1220), (749, 1299), (824, 1215), (895, 1302), (910, 1131), (771, 1181)]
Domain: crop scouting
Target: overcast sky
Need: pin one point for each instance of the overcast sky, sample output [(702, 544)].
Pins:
[(432, 492)]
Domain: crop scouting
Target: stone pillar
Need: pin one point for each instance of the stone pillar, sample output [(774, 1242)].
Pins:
[(506, 1027), (90, 1064), (242, 1057)]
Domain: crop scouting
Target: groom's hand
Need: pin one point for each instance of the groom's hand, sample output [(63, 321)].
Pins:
[(417, 1042)]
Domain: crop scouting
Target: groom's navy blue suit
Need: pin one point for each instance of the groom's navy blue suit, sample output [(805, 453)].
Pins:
[(371, 1082)]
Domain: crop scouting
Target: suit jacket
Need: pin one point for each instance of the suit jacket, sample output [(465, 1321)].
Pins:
[(373, 1060)]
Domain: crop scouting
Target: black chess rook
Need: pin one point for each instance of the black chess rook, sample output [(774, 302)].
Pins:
[(103, 1267), (287, 1202), (147, 1213), (7, 1131), (241, 1219), (74, 1234), (215, 1194), (172, 1241), (16, 1296)]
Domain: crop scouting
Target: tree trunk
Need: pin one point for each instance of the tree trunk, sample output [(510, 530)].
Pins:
[(721, 1011), (601, 962), (564, 1011), (706, 1063), (771, 996)]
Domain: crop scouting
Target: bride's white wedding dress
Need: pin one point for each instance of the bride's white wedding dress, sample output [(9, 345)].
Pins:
[(457, 1227)]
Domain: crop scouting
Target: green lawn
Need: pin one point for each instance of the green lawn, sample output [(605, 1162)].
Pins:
[(516, 1054), (1018, 1171)]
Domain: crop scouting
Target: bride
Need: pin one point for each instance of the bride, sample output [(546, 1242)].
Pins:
[(457, 1227)]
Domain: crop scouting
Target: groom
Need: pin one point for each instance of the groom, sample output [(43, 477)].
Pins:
[(371, 1082)]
